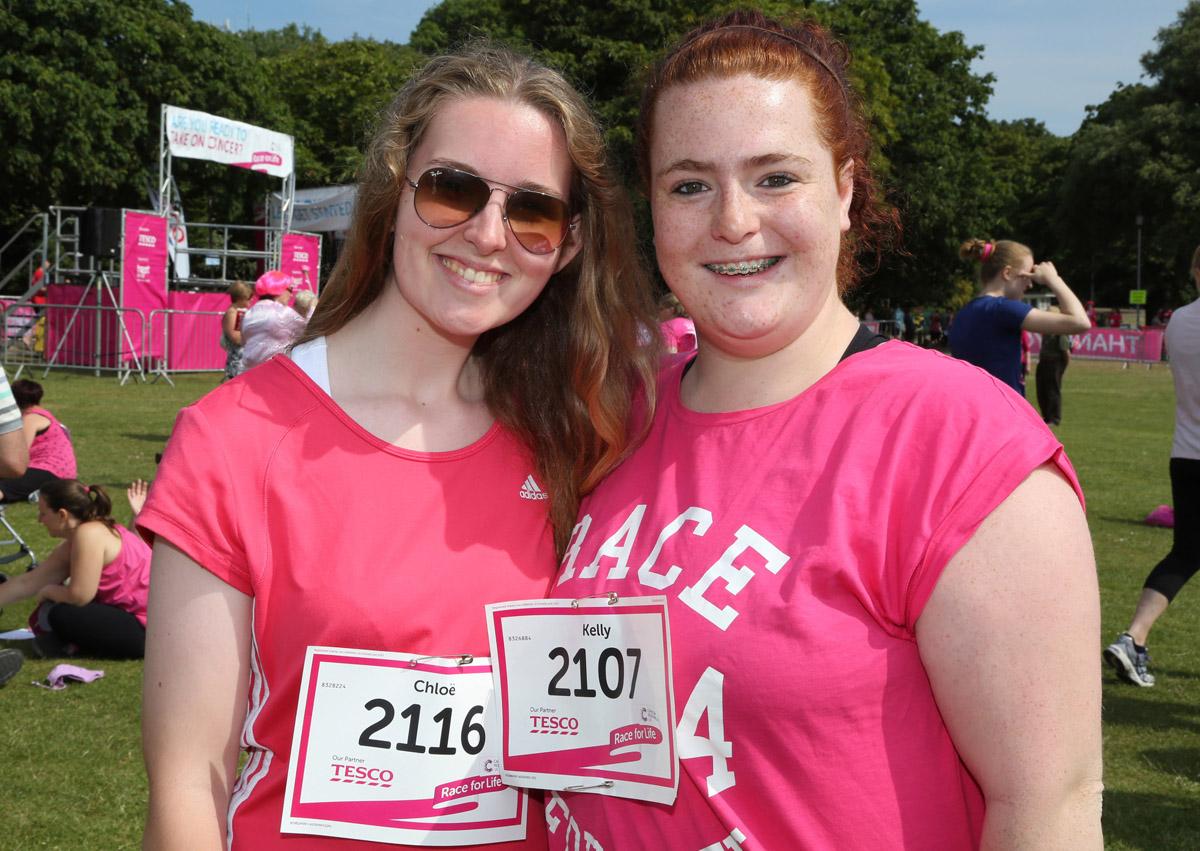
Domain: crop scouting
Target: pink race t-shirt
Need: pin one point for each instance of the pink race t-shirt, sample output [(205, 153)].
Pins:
[(797, 545), (343, 540), (125, 581)]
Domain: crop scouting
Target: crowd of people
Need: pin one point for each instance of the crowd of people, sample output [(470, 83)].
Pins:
[(831, 612)]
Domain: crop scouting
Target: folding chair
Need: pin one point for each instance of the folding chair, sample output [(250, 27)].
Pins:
[(23, 550)]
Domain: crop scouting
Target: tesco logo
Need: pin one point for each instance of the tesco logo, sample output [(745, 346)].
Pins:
[(553, 725), (148, 240), (360, 774)]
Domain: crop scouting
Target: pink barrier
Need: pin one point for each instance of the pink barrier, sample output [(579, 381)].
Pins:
[(1113, 344), (194, 337), (71, 333)]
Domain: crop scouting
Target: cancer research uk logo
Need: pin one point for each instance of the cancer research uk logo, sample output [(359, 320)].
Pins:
[(530, 489)]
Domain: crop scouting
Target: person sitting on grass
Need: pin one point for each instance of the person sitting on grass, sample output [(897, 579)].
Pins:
[(102, 610), (51, 455)]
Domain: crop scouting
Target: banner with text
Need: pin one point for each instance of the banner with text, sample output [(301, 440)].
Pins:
[(301, 258), (201, 136), (326, 208), (1112, 344), (144, 267)]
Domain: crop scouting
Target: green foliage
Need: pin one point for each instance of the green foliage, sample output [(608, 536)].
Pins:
[(333, 93), (1138, 153), (81, 89)]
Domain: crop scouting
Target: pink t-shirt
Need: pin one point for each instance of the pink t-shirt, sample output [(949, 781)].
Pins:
[(343, 540), (797, 545), (125, 582), (679, 334), (52, 450)]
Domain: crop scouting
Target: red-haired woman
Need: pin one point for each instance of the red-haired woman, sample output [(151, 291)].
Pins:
[(842, 526)]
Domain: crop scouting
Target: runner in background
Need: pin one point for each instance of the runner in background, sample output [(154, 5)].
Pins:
[(466, 377), (1128, 654), (848, 576)]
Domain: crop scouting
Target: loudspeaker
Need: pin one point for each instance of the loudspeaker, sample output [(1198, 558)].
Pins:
[(100, 232)]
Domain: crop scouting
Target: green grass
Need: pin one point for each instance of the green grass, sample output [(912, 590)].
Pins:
[(71, 760)]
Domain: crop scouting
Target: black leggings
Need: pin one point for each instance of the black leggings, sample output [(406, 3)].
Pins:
[(19, 489), (99, 630), (1181, 563)]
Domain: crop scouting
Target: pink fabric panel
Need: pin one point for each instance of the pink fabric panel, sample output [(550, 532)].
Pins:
[(79, 345), (195, 339), (144, 271)]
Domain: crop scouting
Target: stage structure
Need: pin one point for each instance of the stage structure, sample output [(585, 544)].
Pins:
[(191, 134), (109, 305)]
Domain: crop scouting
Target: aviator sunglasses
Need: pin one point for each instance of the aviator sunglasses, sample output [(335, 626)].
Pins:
[(446, 197)]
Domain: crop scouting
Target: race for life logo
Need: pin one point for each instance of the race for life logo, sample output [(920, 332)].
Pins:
[(266, 158)]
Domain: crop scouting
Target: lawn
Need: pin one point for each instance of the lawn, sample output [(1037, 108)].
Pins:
[(72, 759)]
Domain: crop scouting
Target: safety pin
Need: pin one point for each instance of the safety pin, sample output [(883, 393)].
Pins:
[(460, 659), (611, 595), (607, 784)]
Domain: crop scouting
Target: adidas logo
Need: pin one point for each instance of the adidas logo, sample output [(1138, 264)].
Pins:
[(530, 489)]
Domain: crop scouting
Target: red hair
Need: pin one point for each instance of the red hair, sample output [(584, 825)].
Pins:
[(748, 42)]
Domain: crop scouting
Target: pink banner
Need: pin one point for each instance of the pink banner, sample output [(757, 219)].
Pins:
[(1112, 344), (144, 269), (301, 258)]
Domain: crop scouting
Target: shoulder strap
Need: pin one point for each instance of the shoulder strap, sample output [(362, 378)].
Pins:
[(864, 339)]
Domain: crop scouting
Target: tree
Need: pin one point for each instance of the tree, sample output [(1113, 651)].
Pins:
[(333, 94), (1138, 154), (81, 89)]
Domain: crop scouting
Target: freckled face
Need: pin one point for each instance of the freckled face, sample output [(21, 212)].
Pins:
[(748, 208), (466, 279)]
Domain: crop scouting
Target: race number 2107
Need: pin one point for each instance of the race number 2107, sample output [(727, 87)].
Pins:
[(610, 672)]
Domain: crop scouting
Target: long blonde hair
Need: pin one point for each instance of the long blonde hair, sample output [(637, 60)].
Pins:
[(561, 375)]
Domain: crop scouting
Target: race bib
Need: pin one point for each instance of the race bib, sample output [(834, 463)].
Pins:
[(393, 747), (585, 693)]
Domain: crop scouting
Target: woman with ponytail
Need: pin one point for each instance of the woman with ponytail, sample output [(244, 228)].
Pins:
[(987, 332), (102, 610)]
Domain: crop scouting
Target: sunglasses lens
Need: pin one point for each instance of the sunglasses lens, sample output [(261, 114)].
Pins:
[(446, 197), (539, 222)]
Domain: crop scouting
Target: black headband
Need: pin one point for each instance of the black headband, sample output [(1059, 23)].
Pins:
[(808, 51)]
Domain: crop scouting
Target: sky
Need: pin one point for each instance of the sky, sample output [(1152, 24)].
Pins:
[(1050, 58)]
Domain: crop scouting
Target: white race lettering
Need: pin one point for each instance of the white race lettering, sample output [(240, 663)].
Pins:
[(573, 546), (702, 518), (735, 576), (617, 547), (707, 697)]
